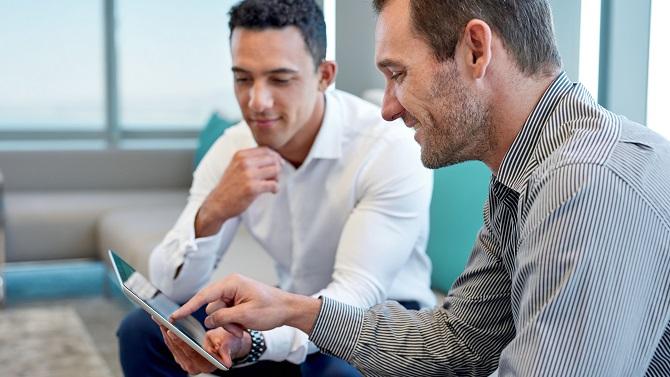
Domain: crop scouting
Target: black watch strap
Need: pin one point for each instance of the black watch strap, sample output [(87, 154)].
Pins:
[(258, 347)]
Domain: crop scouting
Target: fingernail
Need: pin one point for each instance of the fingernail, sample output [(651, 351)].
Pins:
[(208, 322)]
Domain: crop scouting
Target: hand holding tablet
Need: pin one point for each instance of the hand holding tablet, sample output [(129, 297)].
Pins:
[(140, 291)]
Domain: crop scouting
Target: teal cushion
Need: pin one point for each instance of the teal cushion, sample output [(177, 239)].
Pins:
[(212, 130), (459, 193)]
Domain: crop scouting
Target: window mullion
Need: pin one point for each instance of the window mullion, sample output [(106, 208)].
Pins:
[(111, 83)]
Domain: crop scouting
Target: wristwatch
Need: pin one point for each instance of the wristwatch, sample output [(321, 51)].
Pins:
[(258, 347)]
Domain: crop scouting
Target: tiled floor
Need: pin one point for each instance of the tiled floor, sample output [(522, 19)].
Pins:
[(101, 316)]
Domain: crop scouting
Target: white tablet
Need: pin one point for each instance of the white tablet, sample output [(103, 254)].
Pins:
[(140, 291)]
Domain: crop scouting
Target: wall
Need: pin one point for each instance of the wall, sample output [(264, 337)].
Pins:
[(355, 46)]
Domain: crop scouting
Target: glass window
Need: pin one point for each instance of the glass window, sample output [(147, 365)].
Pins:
[(174, 63), (51, 70), (659, 76), (589, 45)]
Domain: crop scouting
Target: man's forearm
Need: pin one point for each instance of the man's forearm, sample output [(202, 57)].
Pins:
[(208, 220)]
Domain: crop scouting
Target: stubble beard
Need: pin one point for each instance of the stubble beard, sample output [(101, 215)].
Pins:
[(460, 127)]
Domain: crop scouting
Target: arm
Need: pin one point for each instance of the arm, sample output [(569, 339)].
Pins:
[(453, 340), (224, 185), (390, 218), (590, 278)]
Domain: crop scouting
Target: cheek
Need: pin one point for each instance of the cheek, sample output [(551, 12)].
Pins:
[(242, 96)]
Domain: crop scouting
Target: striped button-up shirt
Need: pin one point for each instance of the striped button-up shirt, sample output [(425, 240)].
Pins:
[(569, 276)]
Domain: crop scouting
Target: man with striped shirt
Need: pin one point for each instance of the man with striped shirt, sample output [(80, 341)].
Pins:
[(570, 274)]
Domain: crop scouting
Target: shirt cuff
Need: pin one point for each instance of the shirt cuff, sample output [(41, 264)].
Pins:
[(285, 344), (337, 328)]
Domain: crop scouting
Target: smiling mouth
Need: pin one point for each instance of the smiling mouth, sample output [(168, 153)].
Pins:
[(265, 122), (411, 122)]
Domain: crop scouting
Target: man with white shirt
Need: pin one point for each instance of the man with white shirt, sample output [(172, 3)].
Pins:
[(337, 197)]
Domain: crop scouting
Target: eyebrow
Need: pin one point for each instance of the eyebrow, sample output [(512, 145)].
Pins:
[(385, 63), (272, 71)]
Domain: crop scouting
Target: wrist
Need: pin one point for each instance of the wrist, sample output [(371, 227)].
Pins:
[(253, 347), (303, 312), (246, 346)]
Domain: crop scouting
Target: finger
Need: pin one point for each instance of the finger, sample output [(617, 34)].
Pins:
[(177, 353), (262, 161), (266, 186), (267, 172), (165, 338), (233, 319), (235, 329), (191, 360), (206, 295), (225, 357), (214, 306), (257, 152)]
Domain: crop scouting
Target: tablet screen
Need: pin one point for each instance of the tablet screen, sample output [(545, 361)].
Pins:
[(154, 298)]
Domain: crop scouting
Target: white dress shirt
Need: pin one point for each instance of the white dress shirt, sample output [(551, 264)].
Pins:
[(351, 223)]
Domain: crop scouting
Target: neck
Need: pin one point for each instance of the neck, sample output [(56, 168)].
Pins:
[(517, 97), (297, 149)]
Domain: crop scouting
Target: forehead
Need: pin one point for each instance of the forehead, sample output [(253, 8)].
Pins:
[(283, 47), (395, 39)]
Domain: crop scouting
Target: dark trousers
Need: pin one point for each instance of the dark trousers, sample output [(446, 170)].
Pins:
[(144, 354)]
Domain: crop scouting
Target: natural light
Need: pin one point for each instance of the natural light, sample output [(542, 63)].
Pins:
[(659, 76), (329, 17), (589, 46)]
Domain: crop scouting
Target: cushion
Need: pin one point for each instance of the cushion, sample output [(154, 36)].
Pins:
[(62, 224), (134, 232), (459, 193), (213, 129)]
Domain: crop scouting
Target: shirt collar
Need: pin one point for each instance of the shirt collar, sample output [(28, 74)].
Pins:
[(518, 163), (328, 142)]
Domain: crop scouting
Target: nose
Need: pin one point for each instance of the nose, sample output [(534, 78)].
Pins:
[(260, 98), (391, 107)]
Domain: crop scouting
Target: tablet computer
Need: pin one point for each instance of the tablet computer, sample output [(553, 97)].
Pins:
[(140, 291)]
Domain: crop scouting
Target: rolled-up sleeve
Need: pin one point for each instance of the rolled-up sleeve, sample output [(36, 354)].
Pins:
[(182, 264)]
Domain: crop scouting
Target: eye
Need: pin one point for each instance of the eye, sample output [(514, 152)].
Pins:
[(241, 80), (397, 75), (280, 80)]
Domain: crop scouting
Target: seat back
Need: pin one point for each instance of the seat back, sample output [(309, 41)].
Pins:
[(459, 193)]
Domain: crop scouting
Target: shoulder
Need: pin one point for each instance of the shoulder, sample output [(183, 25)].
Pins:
[(234, 138), (364, 128)]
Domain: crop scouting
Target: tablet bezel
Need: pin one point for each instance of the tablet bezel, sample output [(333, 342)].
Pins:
[(156, 315)]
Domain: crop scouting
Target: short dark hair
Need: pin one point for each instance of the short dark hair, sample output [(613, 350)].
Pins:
[(277, 14), (525, 27)]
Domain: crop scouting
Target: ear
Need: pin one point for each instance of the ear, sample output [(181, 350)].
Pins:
[(476, 47), (327, 73)]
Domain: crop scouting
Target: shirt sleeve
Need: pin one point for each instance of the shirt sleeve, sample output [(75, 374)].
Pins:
[(194, 258), (376, 242), (464, 337), (582, 301), (588, 277)]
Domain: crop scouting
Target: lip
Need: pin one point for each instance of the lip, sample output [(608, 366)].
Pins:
[(265, 122), (418, 135)]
